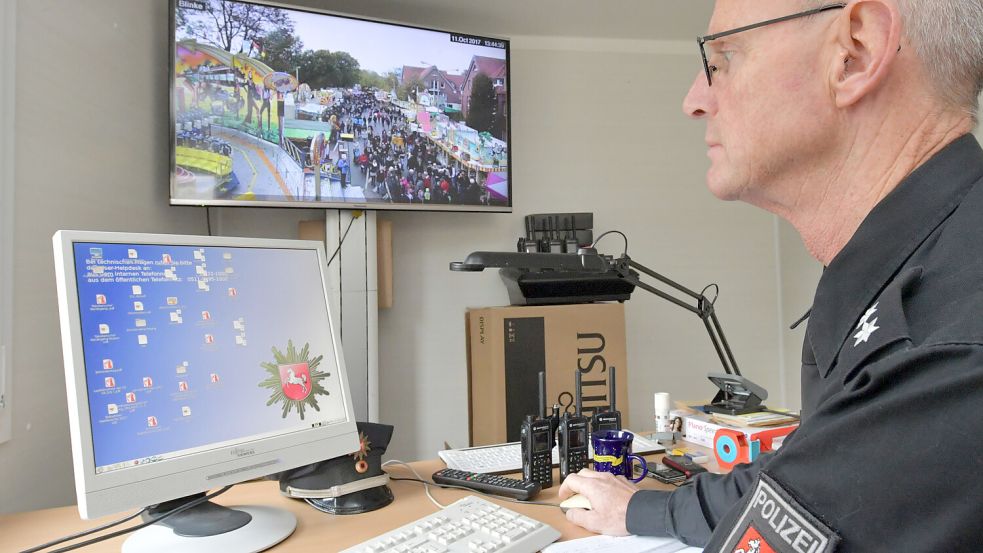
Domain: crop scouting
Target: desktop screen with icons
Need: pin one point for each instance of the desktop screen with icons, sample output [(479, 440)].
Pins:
[(180, 356)]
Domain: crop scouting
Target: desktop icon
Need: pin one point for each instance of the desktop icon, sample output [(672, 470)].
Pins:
[(185, 411), (140, 323), (148, 382), (95, 252), (227, 255), (137, 290), (151, 421), (98, 269), (229, 270), (169, 274), (176, 317), (214, 378), (166, 258), (203, 285), (171, 300), (138, 306), (107, 364), (110, 382), (182, 369), (233, 293), (103, 329), (200, 269), (209, 339), (199, 255), (142, 339), (131, 397), (131, 253), (182, 386), (100, 299), (112, 408), (206, 316)]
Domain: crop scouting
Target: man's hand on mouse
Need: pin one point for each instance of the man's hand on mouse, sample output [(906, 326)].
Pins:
[(608, 495)]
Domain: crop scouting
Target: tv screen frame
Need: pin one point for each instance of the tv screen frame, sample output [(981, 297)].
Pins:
[(475, 154), (219, 464)]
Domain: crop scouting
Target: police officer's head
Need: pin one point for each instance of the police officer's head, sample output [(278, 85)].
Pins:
[(814, 86)]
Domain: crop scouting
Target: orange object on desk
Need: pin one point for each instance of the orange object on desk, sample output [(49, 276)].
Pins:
[(733, 447)]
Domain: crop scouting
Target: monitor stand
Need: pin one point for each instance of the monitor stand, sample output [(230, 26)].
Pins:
[(210, 528)]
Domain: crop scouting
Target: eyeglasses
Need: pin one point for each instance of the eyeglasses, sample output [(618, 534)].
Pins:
[(712, 68)]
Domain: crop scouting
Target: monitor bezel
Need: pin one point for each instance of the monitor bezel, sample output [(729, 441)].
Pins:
[(380, 206), (138, 486)]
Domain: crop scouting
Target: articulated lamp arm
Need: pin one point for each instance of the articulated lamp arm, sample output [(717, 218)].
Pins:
[(703, 308)]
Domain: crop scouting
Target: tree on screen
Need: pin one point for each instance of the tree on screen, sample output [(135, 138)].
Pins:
[(282, 50), (324, 69), (231, 24), (482, 104), (370, 79), (409, 89)]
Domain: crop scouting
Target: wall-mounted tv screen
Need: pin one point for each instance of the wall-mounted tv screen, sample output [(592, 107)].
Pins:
[(286, 107)]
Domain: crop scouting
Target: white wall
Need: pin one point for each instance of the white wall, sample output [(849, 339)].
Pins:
[(7, 62), (597, 126)]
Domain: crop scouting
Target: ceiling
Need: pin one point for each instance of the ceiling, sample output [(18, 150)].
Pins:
[(621, 19)]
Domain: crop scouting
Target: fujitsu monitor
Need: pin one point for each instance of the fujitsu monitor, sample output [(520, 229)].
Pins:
[(193, 363), (289, 107)]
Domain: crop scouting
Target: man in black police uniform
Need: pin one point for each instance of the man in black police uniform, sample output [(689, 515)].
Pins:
[(851, 122)]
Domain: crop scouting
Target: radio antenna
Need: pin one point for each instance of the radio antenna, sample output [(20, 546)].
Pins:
[(542, 394), (612, 390), (578, 390)]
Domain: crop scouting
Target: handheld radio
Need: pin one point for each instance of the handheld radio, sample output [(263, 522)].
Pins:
[(611, 418), (572, 436), (536, 440)]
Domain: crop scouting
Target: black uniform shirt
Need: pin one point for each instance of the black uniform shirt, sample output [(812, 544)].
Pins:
[(889, 455)]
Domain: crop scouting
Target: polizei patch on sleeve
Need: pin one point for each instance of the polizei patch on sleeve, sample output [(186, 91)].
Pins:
[(773, 522)]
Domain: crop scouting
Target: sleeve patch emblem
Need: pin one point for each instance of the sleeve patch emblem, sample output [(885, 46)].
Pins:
[(772, 521)]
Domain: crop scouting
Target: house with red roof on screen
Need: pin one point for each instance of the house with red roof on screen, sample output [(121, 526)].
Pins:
[(445, 88)]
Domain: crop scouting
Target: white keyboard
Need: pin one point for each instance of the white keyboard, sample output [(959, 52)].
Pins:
[(469, 525), (505, 458)]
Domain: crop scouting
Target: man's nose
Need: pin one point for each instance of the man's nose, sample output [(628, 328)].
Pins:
[(698, 102)]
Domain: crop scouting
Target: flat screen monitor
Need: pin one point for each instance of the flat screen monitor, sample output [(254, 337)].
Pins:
[(288, 107), (196, 362)]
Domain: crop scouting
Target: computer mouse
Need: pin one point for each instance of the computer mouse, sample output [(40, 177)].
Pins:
[(575, 501)]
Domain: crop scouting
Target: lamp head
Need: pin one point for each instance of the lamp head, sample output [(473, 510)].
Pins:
[(467, 267)]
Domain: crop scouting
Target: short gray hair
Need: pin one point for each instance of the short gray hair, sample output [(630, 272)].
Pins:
[(947, 36)]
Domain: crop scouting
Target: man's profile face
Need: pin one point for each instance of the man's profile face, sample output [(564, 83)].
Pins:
[(766, 109)]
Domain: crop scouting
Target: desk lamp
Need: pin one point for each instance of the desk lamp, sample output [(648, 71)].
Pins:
[(587, 276)]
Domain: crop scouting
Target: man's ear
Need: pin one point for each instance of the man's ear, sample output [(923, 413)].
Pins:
[(868, 40)]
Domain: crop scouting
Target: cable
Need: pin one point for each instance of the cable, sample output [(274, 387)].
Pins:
[(180, 509), (85, 532), (355, 215), (417, 474), (603, 234), (427, 483), (208, 219), (716, 292)]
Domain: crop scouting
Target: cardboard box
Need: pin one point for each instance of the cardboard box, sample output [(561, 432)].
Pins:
[(509, 346)]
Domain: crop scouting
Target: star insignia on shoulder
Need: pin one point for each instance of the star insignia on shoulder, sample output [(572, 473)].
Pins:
[(866, 326)]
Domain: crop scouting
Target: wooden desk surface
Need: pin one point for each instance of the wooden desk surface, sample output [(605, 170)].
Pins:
[(316, 531)]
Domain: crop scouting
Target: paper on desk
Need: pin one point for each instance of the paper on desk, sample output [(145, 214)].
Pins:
[(628, 544)]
